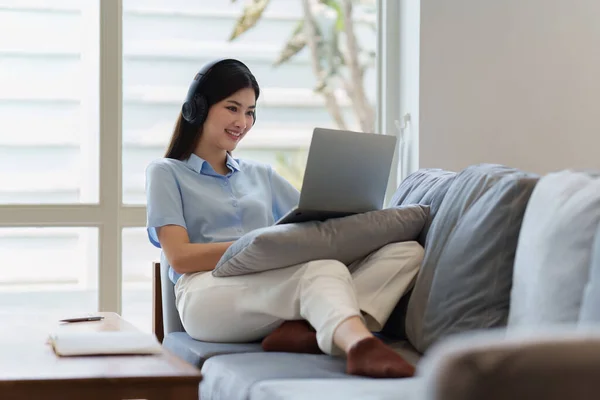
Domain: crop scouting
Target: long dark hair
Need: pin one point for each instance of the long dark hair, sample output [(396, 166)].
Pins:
[(225, 79)]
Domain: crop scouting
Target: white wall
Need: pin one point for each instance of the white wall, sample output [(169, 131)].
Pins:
[(512, 81)]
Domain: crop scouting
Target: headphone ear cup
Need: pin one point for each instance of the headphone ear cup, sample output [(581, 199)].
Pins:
[(188, 111), (201, 109)]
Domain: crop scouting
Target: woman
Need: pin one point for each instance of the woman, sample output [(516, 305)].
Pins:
[(200, 199)]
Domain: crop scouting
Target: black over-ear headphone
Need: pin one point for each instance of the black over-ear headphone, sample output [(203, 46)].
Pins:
[(195, 107)]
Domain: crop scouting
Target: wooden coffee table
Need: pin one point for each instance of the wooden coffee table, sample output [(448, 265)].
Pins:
[(29, 369)]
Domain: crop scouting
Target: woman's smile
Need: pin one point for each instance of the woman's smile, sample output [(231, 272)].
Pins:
[(233, 135)]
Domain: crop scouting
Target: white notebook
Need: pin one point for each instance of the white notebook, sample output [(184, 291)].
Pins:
[(105, 342)]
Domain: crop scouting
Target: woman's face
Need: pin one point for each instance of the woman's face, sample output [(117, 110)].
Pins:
[(229, 120)]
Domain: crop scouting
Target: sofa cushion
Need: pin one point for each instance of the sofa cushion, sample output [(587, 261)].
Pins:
[(555, 248), (196, 352), (345, 239), (338, 389), (232, 376), (427, 186), (590, 311), (465, 279)]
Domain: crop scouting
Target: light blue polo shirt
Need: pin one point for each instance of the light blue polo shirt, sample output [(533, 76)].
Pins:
[(214, 207)]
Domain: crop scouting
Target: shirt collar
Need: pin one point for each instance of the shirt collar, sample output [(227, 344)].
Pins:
[(232, 163), (196, 163)]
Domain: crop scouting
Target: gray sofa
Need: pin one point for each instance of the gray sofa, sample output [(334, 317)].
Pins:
[(498, 238)]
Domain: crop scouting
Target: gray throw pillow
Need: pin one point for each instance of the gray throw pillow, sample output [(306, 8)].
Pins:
[(427, 186), (344, 239), (465, 280)]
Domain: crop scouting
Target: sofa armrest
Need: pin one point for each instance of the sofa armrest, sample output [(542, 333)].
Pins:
[(506, 365)]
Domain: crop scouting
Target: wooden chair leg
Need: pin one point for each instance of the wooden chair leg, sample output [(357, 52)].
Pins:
[(157, 314)]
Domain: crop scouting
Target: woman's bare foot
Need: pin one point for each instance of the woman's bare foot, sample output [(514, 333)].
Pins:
[(292, 337), (371, 357)]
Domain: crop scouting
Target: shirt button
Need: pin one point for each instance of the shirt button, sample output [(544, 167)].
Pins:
[(235, 203), (225, 183)]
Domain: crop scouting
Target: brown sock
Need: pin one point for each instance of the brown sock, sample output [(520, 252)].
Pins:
[(371, 357), (292, 337)]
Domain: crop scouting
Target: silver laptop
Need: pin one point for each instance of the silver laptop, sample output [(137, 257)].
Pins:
[(346, 173)]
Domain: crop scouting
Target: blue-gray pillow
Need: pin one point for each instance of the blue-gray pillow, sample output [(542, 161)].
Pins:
[(427, 186), (344, 239), (465, 280)]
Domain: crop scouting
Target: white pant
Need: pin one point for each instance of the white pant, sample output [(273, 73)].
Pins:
[(246, 308)]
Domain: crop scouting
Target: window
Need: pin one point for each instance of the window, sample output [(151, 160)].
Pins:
[(48, 102), (137, 277), (75, 139), (49, 270)]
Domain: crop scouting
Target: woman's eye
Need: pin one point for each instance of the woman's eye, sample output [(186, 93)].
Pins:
[(250, 113), (232, 108)]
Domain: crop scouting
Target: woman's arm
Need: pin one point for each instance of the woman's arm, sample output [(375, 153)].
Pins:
[(186, 257), (167, 227)]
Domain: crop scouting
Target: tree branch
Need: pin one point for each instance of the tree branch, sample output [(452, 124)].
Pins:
[(362, 108), (312, 36)]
